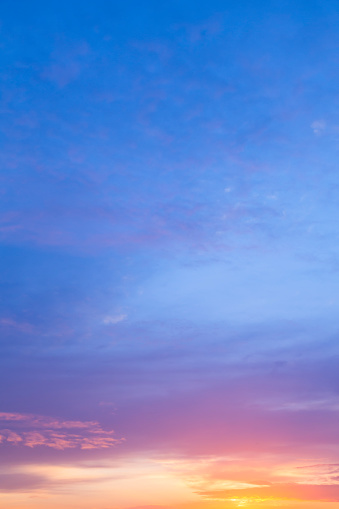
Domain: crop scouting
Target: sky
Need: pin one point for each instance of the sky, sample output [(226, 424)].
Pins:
[(169, 256)]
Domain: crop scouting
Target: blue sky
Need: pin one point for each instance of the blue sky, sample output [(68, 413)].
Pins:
[(169, 251)]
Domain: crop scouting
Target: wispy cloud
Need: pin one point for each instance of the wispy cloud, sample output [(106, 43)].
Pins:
[(318, 126), (113, 319), (301, 492)]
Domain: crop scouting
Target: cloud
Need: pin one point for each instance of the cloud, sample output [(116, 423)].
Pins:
[(21, 327), (318, 126), (33, 431), (150, 507), (20, 482), (66, 64), (319, 465), (289, 491), (111, 320)]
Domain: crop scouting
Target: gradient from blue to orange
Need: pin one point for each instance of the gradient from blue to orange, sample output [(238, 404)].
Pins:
[(169, 254)]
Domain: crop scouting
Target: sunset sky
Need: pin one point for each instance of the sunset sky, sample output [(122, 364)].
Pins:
[(169, 228)]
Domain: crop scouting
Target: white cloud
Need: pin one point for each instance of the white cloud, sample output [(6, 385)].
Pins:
[(318, 126), (109, 320)]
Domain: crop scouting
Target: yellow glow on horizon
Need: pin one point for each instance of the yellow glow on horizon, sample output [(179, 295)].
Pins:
[(144, 481), (133, 483)]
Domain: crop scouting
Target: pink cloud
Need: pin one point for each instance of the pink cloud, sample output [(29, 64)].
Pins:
[(32, 431), (8, 323)]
